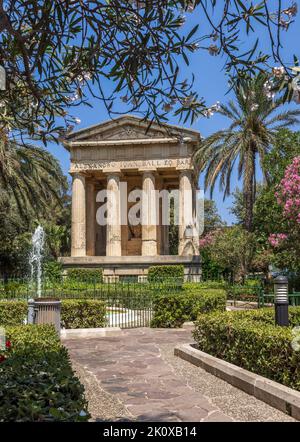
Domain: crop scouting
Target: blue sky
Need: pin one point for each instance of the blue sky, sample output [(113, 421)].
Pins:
[(211, 83)]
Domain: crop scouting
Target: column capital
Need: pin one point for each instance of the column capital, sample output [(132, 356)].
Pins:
[(112, 174), (185, 172), (149, 169), (77, 174)]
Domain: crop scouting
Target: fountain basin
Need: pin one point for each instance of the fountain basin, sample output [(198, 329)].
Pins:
[(45, 311)]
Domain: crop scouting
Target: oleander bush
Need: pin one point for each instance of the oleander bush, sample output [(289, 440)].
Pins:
[(166, 273), (251, 340), (173, 309), (37, 380), (92, 276), (75, 313)]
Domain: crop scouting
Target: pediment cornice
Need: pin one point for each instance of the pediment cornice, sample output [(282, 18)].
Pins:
[(129, 129)]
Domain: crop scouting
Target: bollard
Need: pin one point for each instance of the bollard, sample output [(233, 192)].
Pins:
[(281, 301), (31, 313)]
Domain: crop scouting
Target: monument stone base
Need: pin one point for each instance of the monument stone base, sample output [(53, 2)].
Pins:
[(117, 268)]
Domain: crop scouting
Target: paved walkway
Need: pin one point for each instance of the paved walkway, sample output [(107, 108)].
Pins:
[(135, 376)]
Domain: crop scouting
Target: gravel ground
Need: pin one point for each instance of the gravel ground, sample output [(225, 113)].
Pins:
[(103, 407), (230, 400)]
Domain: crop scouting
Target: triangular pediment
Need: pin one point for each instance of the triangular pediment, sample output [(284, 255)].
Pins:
[(129, 127)]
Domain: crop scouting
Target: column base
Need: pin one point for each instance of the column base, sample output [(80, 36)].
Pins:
[(114, 249), (78, 253), (149, 248)]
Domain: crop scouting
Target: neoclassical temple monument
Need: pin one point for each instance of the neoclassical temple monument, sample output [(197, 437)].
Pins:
[(109, 154)]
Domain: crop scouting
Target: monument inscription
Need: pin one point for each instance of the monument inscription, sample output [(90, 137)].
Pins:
[(135, 164)]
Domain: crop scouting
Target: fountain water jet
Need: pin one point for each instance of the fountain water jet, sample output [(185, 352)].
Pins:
[(36, 256)]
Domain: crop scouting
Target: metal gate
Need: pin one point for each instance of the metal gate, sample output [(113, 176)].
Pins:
[(127, 310)]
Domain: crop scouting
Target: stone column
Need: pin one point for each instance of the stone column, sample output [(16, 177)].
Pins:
[(196, 237), (185, 227), (113, 228), (166, 240), (90, 218), (149, 215), (78, 216)]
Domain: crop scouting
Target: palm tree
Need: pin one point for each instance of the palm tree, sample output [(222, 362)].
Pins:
[(255, 121), (30, 177)]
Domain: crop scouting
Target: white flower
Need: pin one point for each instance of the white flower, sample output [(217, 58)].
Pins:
[(213, 49), (291, 11), (296, 97), (190, 6), (254, 107), (296, 83), (278, 71)]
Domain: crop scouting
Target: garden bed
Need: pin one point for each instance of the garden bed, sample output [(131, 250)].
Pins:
[(251, 340), (277, 395)]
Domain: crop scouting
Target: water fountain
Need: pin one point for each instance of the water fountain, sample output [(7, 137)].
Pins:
[(36, 256), (41, 310)]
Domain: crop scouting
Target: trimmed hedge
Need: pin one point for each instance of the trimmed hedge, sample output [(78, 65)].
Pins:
[(251, 340), (172, 310), (85, 275), (37, 380), (13, 312), (163, 273), (83, 313), (74, 313)]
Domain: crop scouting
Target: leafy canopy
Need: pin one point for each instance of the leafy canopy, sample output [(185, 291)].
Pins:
[(57, 53)]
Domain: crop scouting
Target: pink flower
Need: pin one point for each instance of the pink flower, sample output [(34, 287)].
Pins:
[(276, 239), (288, 193)]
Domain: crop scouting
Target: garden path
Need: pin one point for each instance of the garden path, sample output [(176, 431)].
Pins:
[(136, 377)]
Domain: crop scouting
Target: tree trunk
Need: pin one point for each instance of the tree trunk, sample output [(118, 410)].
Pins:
[(248, 189)]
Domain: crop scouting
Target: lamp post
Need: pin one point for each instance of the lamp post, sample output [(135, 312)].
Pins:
[(281, 299)]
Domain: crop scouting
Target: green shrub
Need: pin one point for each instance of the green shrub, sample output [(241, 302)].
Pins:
[(172, 310), (205, 285), (37, 380), (165, 273), (169, 311), (52, 271), (74, 313), (85, 275), (83, 313), (12, 312), (251, 340)]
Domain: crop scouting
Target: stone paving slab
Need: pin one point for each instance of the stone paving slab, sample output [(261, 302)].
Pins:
[(141, 380)]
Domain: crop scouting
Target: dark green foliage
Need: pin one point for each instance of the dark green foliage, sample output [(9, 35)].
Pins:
[(83, 314), (172, 310), (37, 380), (165, 273), (52, 271), (74, 313), (85, 275), (12, 312), (250, 340)]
